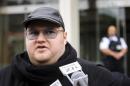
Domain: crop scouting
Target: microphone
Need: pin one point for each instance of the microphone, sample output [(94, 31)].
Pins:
[(79, 79), (56, 83), (74, 73)]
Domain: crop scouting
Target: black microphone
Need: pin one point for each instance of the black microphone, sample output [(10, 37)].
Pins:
[(79, 79)]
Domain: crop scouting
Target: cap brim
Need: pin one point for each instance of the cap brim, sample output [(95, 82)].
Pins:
[(29, 21)]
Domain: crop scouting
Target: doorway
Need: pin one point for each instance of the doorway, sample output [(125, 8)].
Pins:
[(91, 36)]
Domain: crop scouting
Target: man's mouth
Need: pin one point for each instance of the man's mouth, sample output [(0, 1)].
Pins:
[(41, 47)]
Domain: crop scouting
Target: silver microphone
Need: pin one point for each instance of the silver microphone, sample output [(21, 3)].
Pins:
[(73, 71), (79, 79)]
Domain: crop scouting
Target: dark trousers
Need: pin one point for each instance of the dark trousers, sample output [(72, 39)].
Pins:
[(113, 64)]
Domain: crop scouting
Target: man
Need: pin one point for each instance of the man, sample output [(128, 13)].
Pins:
[(113, 48), (47, 53)]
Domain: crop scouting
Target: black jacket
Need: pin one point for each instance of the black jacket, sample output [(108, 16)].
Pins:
[(22, 73)]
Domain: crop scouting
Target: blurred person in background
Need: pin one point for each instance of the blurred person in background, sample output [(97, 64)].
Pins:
[(114, 49)]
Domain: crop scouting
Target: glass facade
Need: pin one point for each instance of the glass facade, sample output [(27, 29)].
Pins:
[(93, 22), (11, 37)]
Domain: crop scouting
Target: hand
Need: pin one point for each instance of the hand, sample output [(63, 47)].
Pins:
[(118, 55)]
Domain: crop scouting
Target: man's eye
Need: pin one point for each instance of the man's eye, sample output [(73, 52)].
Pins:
[(50, 32), (33, 32)]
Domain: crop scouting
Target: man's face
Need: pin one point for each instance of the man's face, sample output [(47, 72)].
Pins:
[(45, 43)]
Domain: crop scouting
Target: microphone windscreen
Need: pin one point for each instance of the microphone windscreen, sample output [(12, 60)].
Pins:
[(77, 75)]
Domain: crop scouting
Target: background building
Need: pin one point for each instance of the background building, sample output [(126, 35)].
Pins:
[(85, 22)]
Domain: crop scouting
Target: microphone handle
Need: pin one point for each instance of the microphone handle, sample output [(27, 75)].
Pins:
[(82, 82)]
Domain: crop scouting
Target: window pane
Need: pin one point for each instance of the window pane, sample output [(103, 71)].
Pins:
[(12, 40)]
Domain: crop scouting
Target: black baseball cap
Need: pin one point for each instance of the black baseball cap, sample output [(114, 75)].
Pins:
[(44, 14)]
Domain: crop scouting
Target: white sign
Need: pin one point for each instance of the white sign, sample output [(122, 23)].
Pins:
[(56, 83), (70, 68)]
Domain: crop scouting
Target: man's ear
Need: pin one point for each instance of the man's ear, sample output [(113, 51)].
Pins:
[(65, 37)]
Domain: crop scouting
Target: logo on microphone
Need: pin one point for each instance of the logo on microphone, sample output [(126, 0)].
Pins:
[(70, 68)]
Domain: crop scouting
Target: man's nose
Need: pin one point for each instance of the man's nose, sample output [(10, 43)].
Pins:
[(41, 37)]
